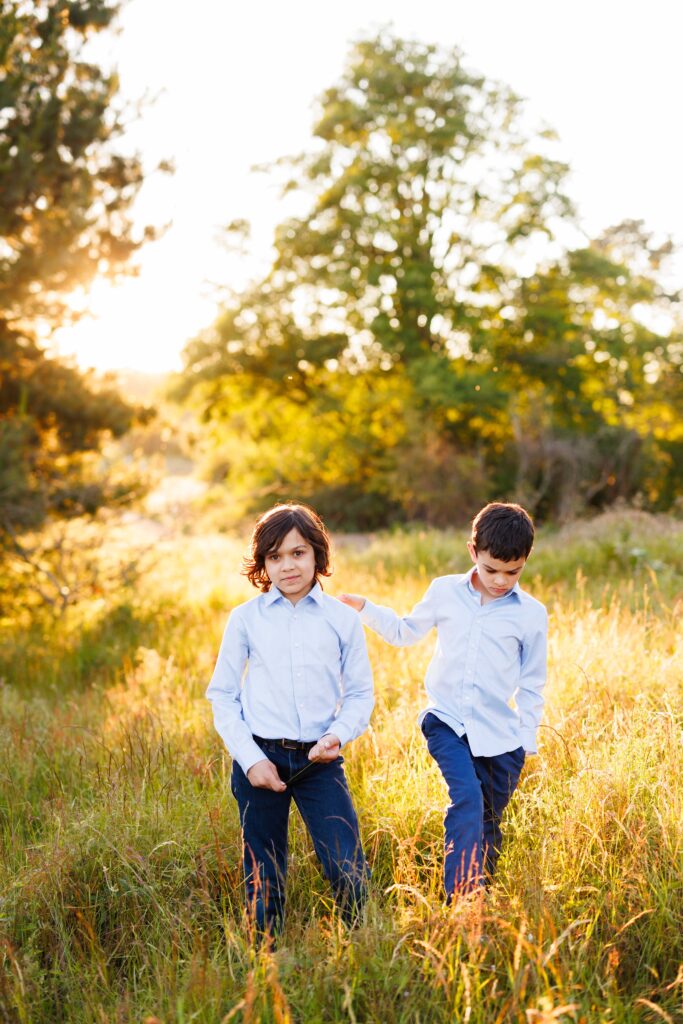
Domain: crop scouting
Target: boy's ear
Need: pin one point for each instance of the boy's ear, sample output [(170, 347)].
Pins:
[(472, 550)]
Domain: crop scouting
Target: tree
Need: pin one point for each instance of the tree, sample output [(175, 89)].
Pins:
[(64, 217), (64, 212), (588, 342), (430, 199)]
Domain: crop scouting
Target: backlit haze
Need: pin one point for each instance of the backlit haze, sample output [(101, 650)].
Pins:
[(235, 86)]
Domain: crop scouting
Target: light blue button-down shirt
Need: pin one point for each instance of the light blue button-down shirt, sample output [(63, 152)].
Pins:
[(289, 670), (486, 655)]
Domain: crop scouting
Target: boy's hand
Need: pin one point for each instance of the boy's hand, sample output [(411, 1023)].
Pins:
[(353, 601), (263, 775), (326, 749)]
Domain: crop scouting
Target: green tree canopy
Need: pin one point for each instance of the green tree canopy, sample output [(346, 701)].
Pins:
[(430, 199), (64, 217)]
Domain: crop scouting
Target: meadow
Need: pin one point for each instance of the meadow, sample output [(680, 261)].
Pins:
[(120, 874)]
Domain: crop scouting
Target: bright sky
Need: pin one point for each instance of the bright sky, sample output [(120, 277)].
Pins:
[(235, 86)]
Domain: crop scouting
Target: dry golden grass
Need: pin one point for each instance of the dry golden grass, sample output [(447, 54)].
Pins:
[(121, 892)]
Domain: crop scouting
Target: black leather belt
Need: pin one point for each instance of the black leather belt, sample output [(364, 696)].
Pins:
[(288, 744)]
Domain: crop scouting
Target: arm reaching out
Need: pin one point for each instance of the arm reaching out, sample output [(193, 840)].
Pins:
[(396, 630), (353, 601)]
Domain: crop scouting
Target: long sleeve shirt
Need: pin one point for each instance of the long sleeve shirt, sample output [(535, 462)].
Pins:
[(294, 671), (485, 655)]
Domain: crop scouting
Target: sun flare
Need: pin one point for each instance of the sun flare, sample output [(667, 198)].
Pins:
[(136, 323)]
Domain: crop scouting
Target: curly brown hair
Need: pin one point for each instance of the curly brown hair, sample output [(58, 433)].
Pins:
[(271, 529)]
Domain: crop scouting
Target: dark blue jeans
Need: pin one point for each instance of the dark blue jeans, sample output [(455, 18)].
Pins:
[(322, 796), (479, 789)]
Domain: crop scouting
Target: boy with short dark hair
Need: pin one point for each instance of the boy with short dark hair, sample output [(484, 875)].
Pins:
[(292, 685), (491, 646)]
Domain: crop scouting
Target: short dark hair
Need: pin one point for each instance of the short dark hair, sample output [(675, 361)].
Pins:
[(505, 530), (271, 529)]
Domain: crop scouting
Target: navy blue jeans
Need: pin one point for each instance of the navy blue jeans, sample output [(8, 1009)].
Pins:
[(479, 789), (322, 796)]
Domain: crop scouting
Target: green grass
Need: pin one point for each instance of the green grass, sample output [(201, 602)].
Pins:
[(120, 851)]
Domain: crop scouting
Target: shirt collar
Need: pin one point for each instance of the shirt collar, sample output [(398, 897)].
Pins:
[(466, 579), (315, 593)]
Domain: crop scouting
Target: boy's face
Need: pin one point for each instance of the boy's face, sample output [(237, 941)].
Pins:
[(496, 578), (291, 567)]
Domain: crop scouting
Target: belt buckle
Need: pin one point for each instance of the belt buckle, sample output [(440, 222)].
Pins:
[(290, 744)]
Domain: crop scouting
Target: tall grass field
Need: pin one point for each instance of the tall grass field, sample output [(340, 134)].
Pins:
[(120, 874)]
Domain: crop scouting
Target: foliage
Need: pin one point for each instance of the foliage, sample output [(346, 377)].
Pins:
[(64, 217), (120, 849), (66, 195), (594, 387), (430, 200)]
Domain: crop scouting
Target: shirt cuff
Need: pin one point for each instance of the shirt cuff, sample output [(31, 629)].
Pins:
[(368, 613), (341, 731), (528, 738), (249, 755)]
